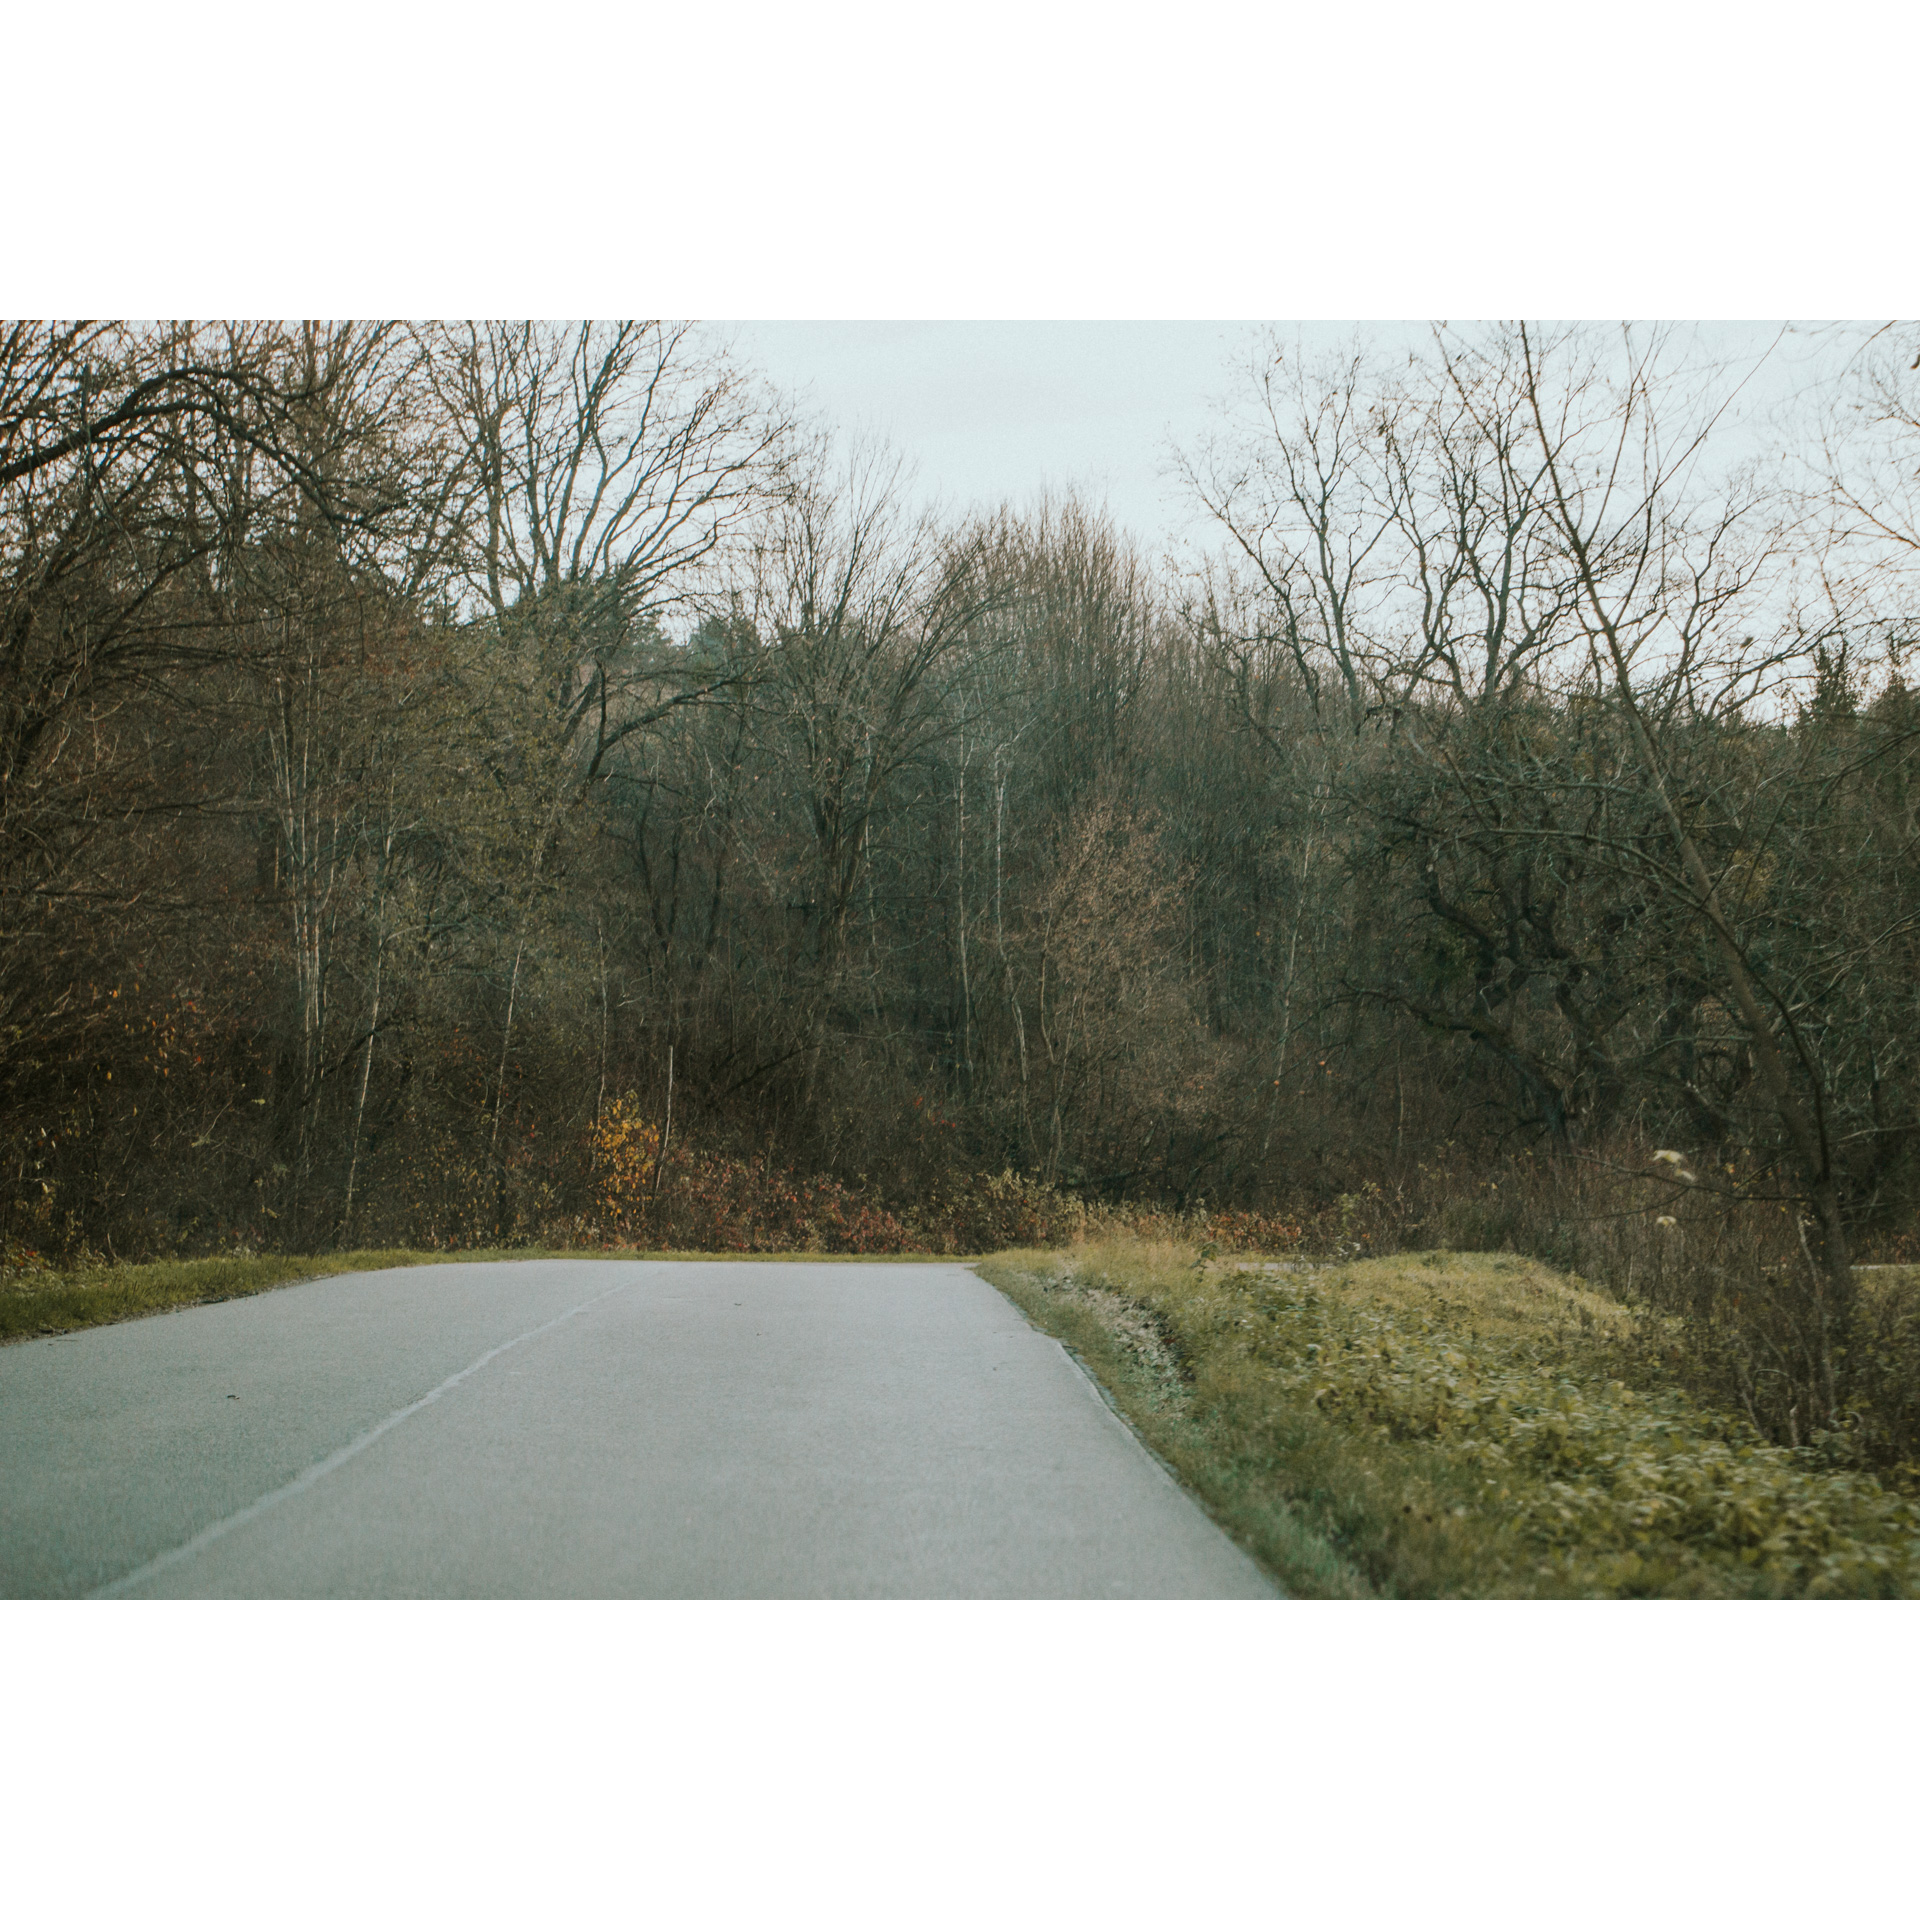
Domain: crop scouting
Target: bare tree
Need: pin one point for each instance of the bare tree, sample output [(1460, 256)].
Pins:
[(861, 603), (1651, 586), (1302, 497), (146, 474), (607, 464)]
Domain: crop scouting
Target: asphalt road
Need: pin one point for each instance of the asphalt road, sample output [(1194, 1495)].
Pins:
[(558, 1429)]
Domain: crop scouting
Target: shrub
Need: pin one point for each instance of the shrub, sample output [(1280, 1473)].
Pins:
[(705, 1201), (1610, 1489)]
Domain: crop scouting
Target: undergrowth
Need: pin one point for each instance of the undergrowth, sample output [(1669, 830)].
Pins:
[(1448, 1424)]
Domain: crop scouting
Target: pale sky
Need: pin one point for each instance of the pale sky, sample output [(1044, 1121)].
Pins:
[(992, 410)]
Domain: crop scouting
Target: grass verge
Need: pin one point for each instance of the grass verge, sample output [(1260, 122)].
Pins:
[(38, 1301), (1452, 1425), (35, 1301)]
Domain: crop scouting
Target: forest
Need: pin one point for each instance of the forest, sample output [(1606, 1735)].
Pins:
[(512, 783)]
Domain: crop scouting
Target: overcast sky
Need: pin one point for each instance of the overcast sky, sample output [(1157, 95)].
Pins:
[(991, 410)]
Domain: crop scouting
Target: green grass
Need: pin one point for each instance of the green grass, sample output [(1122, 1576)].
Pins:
[(1451, 1425), (35, 1301)]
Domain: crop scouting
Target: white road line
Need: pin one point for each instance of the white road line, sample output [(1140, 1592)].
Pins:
[(321, 1468)]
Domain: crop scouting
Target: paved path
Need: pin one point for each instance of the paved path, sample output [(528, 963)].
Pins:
[(575, 1428)]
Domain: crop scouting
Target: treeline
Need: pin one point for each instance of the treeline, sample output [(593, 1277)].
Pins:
[(418, 744)]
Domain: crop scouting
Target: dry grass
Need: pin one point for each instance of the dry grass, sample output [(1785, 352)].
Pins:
[(1502, 1296), (1453, 1424), (41, 1301)]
